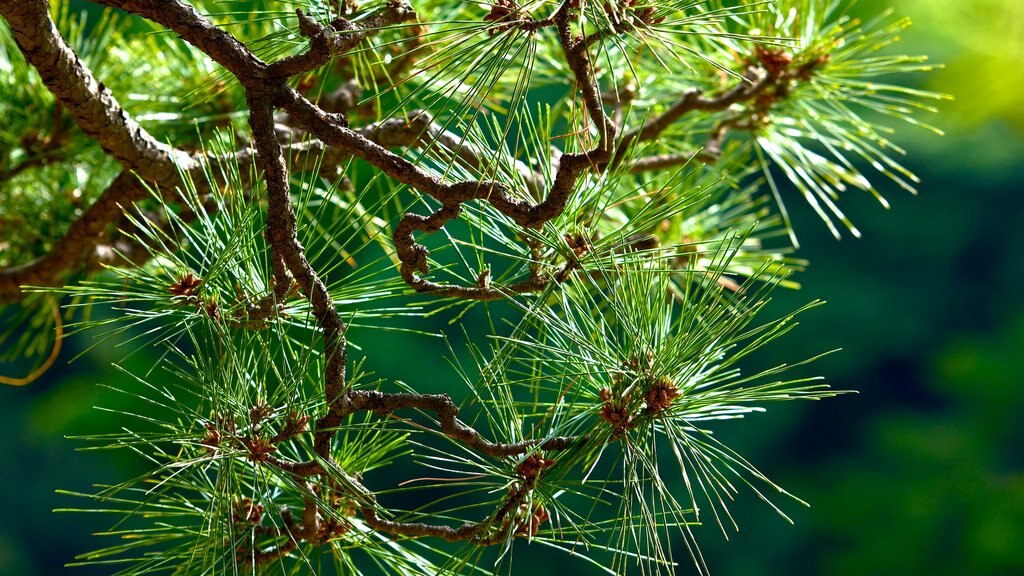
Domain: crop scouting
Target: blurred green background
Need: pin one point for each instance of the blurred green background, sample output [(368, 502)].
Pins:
[(922, 472)]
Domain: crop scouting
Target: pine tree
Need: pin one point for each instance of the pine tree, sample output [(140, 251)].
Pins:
[(256, 188)]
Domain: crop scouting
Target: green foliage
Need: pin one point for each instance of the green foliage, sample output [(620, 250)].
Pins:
[(631, 350), (643, 367)]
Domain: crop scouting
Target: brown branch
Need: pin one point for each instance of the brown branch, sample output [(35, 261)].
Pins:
[(282, 236), (383, 403), (503, 519), (342, 99), (101, 117), (692, 100), (412, 255), (467, 531), (447, 417), (93, 106), (413, 258), (333, 131), (695, 100), (571, 168), (419, 129), (343, 36)]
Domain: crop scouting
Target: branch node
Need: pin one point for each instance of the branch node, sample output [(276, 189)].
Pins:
[(308, 27)]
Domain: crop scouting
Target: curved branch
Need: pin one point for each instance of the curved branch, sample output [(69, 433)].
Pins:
[(467, 531), (384, 403), (447, 417)]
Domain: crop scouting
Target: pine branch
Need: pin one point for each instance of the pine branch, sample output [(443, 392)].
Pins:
[(631, 340)]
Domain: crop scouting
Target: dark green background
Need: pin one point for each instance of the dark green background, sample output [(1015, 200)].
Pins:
[(920, 473)]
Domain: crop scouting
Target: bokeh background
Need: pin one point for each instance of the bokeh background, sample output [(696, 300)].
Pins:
[(922, 472)]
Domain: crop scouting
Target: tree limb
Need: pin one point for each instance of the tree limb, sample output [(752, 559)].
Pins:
[(95, 109)]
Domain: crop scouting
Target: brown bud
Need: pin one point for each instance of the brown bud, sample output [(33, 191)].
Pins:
[(774, 60), (260, 449), (212, 439), (531, 525), (186, 285), (258, 413), (532, 465), (661, 395)]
